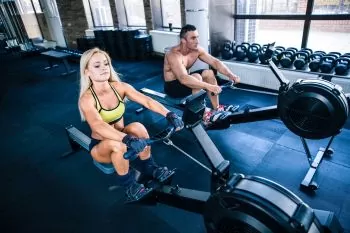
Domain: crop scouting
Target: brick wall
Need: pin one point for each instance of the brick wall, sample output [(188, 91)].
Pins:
[(73, 20), (331, 26)]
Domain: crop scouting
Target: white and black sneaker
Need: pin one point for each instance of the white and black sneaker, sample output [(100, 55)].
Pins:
[(227, 108)]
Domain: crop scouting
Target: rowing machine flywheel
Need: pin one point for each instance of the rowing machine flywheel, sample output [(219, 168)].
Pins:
[(254, 204), (313, 109)]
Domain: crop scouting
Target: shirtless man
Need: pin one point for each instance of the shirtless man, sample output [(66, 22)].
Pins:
[(180, 83)]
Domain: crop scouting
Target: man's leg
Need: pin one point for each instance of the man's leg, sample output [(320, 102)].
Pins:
[(176, 90), (209, 77)]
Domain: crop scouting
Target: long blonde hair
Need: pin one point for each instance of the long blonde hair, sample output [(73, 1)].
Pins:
[(85, 82)]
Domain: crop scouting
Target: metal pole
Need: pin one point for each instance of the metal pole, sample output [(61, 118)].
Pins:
[(307, 23)]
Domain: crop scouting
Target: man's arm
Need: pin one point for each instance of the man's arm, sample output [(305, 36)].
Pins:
[(218, 65), (181, 74)]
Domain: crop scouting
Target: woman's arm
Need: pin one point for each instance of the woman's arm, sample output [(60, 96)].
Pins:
[(97, 125), (144, 100)]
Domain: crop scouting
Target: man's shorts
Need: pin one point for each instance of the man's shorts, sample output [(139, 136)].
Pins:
[(177, 90), (93, 143)]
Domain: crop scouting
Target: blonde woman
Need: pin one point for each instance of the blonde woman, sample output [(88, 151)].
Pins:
[(101, 105)]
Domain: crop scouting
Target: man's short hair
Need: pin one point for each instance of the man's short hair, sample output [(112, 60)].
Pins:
[(187, 28)]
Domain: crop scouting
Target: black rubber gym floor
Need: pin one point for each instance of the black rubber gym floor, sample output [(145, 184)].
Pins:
[(41, 192)]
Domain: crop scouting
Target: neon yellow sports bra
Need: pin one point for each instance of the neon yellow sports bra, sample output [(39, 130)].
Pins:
[(112, 115)]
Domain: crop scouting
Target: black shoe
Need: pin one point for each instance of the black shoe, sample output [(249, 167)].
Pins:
[(137, 191), (162, 174)]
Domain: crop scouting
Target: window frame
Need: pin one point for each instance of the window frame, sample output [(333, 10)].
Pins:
[(307, 18), (161, 13), (127, 20), (93, 18)]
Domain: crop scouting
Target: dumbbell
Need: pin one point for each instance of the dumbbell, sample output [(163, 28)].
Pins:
[(342, 65), (315, 60), (277, 54), (307, 50), (337, 54), (287, 57), (227, 50), (301, 58), (262, 57), (241, 51), (253, 52), (328, 62)]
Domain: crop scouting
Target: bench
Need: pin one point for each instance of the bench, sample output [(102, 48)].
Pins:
[(79, 140), (57, 55)]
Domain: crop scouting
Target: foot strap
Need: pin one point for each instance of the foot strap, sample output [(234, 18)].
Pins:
[(136, 192), (163, 174)]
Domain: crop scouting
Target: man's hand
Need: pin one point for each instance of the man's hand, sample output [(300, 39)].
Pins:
[(215, 89), (234, 78)]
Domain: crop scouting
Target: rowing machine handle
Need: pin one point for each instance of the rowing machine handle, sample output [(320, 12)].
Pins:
[(229, 83), (132, 155)]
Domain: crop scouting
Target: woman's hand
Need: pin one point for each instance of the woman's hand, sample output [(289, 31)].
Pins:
[(175, 120)]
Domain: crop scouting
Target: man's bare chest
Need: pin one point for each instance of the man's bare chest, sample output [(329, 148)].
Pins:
[(188, 61)]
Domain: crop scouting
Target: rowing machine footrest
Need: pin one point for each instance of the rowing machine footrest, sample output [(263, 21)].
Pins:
[(106, 168)]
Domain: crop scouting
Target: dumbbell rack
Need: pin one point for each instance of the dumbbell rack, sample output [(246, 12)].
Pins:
[(307, 70)]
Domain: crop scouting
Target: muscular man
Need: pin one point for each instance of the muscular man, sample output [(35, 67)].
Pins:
[(180, 83)]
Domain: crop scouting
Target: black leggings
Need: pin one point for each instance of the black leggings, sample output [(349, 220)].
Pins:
[(177, 90)]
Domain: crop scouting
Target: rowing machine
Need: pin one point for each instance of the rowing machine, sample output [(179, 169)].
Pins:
[(311, 109), (238, 203)]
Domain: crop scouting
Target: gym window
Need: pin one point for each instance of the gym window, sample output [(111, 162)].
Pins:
[(267, 31), (334, 33), (101, 13), (135, 13), (26, 7), (171, 13), (265, 7), (26, 10), (295, 23)]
